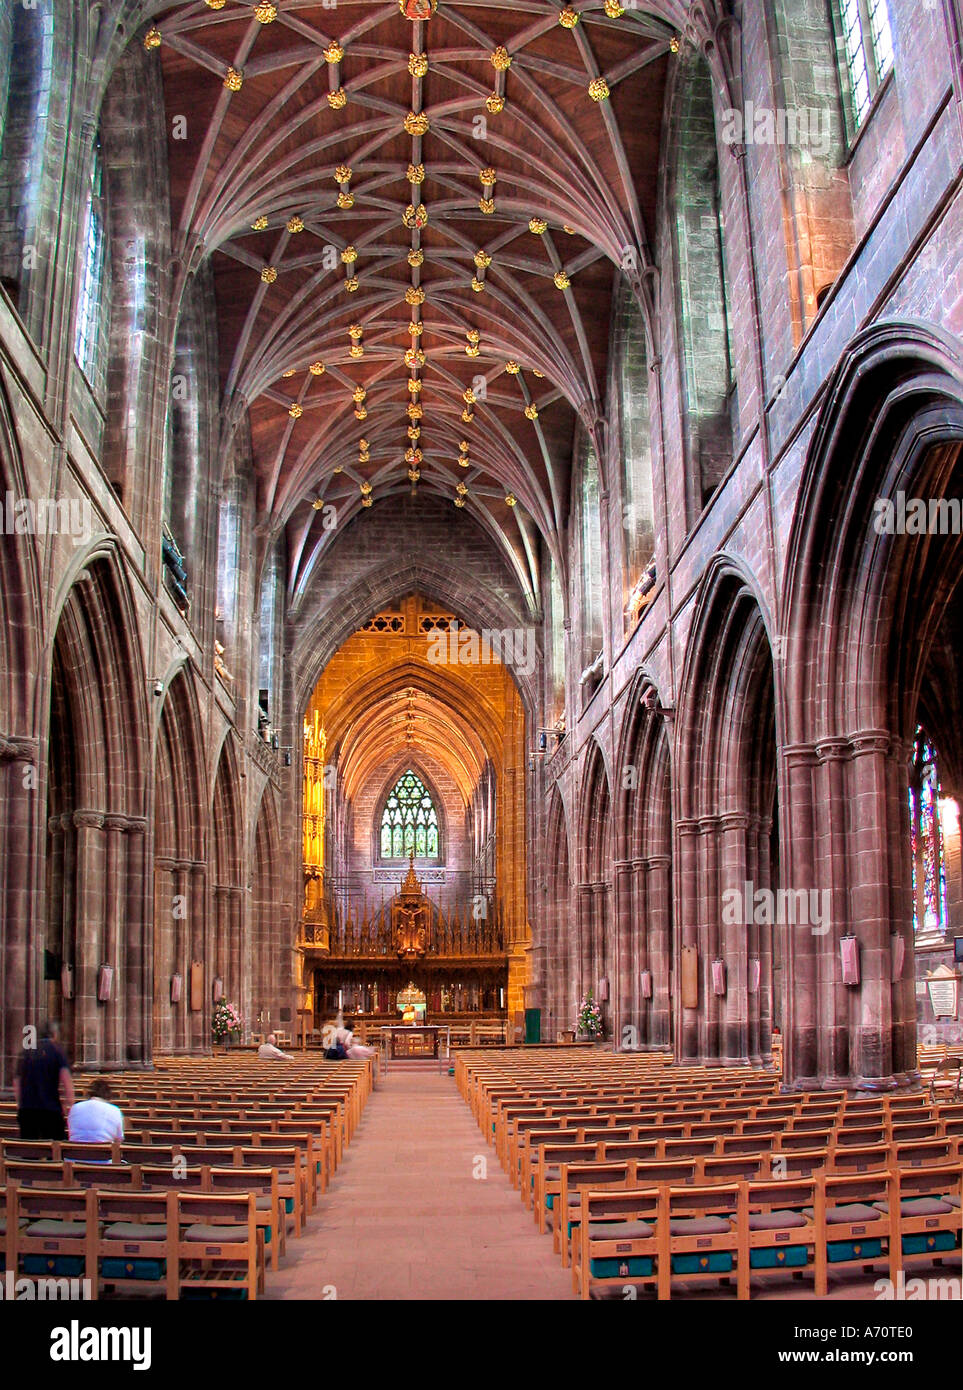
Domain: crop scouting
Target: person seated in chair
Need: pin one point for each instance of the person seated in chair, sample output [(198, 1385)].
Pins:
[(269, 1048), (95, 1120), (355, 1050)]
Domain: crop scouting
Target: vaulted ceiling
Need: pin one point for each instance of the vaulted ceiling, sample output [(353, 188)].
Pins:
[(415, 225)]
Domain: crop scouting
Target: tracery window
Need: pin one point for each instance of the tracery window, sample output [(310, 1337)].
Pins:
[(409, 822), (869, 49), (926, 831)]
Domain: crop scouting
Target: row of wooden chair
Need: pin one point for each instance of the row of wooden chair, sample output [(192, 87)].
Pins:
[(662, 1236), (190, 1243)]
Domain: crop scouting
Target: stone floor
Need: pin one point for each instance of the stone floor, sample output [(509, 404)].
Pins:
[(406, 1217)]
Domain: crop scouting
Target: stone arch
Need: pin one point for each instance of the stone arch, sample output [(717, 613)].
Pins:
[(871, 633), (97, 760), (180, 871), (727, 827), (643, 870)]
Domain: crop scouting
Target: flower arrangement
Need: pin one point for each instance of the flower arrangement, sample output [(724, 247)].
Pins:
[(589, 1017), (225, 1020)]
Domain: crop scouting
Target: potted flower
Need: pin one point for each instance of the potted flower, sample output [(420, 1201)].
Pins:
[(589, 1021), (225, 1023)]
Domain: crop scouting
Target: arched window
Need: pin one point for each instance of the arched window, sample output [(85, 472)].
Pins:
[(92, 307), (926, 834), (409, 822)]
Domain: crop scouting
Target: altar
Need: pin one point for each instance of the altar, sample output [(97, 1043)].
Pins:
[(419, 1040)]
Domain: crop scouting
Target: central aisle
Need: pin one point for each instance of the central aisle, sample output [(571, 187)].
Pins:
[(405, 1219)]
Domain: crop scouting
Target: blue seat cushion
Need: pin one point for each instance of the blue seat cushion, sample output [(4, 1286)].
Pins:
[(920, 1243), (111, 1267), (779, 1257), (713, 1262), (67, 1266), (839, 1250), (609, 1268)]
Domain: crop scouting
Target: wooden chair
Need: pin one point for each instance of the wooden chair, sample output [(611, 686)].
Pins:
[(851, 1230), (697, 1235), (268, 1206), (773, 1232), (946, 1081), (137, 1241), (930, 1216), (614, 1243), (53, 1231), (219, 1247)]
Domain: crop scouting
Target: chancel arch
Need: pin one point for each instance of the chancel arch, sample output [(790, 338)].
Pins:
[(871, 612)]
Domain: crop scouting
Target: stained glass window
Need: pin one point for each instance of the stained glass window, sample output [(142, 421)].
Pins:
[(409, 823), (929, 870)]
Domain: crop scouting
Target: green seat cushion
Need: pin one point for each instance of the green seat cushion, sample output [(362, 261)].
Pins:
[(918, 1206), (699, 1226), (111, 1267), (66, 1230), (136, 1230), (67, 1266), (620, 1230), (712, 1262), (778, 1257), (920, 1243), (840, 1250), (776, 1220), (638, 1266), (289, 1205), (217, 1235), (852, 1211)]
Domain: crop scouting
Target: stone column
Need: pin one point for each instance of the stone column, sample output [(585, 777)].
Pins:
[(21, 934), (137, 979), (873, 1041), (89, 884), (688, 916), (655, 876), (799, 947), (625, 994), (734, 870)]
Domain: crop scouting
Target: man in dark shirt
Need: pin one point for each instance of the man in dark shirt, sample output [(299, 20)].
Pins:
[(40, 1072)]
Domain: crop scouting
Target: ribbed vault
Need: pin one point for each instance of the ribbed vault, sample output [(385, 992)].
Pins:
[(415, 225)]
